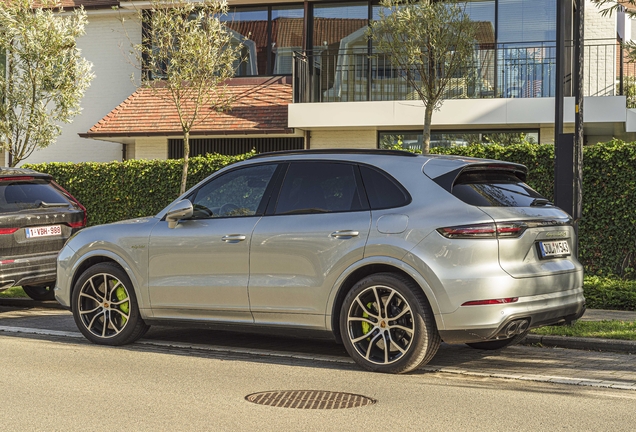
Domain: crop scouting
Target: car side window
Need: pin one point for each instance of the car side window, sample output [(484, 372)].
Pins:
[(237, 193), (319, 187), (383, 192)]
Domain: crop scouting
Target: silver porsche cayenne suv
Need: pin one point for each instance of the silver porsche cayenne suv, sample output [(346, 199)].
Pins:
[(388, 252)]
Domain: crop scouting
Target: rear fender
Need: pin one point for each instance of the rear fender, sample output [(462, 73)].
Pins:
[(387, 261)]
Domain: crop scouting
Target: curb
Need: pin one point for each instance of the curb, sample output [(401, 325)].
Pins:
[(588, 344)]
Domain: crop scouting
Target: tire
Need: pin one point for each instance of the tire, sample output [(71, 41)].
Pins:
[(107, 316), (413, 337), (498, 344), (40, 292)]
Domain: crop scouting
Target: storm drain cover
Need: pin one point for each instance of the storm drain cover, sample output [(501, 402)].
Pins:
[(309, 399)]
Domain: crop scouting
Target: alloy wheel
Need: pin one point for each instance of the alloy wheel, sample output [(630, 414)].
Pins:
[(104, 305), (380, 325)]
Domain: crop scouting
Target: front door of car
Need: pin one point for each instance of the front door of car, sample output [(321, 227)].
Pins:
[(200, 269), (318, 228)]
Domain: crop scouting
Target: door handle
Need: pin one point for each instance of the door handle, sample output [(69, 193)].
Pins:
[(346, 234), (233, 238)]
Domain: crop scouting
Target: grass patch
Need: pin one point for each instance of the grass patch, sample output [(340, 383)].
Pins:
[(13, 293), (625, 330)]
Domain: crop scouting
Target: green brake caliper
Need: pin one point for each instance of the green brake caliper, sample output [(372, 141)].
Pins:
[(366, 327), (124, 307)]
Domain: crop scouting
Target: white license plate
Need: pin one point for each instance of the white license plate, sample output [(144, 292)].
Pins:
[(53, 230), (554, 249)]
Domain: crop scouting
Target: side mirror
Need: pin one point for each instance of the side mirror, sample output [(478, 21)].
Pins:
[(181, 210)]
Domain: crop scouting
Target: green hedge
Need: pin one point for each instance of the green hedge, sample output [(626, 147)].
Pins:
[(116, 191), (607, 293), (607, 235)]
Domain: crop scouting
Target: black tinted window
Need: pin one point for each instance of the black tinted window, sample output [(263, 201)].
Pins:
[(237, 193), (495, 189), (15, 196), (382, 191), (319, 187)]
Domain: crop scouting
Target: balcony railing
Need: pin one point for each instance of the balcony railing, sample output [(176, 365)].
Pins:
[(504, 71)]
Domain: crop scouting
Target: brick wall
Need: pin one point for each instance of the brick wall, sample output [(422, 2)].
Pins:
[(150, 148), (323, 139), (106, 45)]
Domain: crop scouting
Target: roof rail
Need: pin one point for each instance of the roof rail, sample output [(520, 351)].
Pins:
[(337, 151)]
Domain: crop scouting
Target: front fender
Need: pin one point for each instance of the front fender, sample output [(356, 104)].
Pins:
[(134, 274), (393, 262)]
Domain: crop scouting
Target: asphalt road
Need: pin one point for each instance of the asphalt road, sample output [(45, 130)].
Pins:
[(61, 385)]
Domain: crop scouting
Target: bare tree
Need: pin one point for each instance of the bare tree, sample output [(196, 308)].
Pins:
[(43, 74), (430, 42), (187, 54)]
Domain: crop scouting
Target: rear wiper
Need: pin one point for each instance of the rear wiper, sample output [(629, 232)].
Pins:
[(47, 205), (540, 202)]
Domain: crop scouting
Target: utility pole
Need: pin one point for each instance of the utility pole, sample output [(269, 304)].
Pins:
[(568, 151)]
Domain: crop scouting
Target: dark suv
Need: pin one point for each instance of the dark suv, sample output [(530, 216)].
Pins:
[(37, 216)]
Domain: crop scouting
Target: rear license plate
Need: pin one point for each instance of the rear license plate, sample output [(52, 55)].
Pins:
[(554, 249), (45, 231)]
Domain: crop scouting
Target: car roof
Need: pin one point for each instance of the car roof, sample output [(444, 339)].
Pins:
[(7, 172), (432, 163)]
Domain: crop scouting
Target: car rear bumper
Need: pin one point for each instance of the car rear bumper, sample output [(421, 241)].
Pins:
[(32, 270), (491, 322)]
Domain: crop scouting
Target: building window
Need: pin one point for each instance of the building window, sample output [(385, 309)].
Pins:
[(249, 27), (412, 140), (287, 37)]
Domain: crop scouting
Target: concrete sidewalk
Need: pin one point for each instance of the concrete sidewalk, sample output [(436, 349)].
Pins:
[(591, 344)]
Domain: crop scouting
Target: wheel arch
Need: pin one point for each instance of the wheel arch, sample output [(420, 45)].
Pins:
[(368, 267), (102, 256)]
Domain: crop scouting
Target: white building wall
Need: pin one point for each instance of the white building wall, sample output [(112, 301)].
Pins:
[(600, 52), (343, 139), (106, 45), (150, 148)]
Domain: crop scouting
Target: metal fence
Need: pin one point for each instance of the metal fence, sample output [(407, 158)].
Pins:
[(504, 71)]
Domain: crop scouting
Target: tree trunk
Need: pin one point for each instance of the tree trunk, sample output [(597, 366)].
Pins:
[(186, 156), (426, 136)]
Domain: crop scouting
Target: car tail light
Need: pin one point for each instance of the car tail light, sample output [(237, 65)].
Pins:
[(8, 230), (17, 178), (491, 301), (71, 197), (487, 230)]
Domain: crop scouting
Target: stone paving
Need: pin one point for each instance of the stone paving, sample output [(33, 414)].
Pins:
[(565, 366)]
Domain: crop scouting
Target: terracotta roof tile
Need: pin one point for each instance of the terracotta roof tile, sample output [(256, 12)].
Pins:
[(258, 109)]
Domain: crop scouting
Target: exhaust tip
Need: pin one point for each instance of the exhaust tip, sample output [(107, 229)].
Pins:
[(512, 329)]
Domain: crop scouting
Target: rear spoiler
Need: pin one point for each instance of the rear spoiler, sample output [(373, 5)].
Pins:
[(445, 170)]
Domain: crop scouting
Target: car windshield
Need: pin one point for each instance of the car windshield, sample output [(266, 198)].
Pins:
[(16, 196)]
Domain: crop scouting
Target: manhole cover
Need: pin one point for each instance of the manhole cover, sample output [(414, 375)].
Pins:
[(309, 399)]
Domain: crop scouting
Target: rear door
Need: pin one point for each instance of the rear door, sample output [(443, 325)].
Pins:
[(318, 227)]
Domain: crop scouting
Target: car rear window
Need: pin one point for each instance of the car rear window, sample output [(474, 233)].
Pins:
[(16, 196), (495, 189)]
